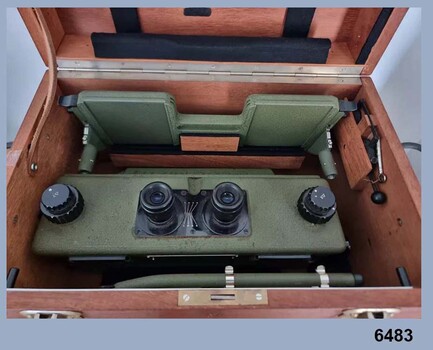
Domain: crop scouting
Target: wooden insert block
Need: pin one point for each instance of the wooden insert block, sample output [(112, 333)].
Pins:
[(209, 143), (353, 154), (364, 127)]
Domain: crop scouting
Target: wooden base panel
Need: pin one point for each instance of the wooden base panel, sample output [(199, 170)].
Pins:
[(205, 161)]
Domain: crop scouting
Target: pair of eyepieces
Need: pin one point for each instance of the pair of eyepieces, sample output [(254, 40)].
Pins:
[(158, 202)]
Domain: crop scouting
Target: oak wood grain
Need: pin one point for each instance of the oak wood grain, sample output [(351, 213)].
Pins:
[(383, 237), (205, 161), (84, 21), (250, 22), (367, 17), (353, 154), (209, 143), (388, 32), (364, 127), (333, 23)]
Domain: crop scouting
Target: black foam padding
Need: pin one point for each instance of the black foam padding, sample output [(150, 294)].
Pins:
[(298, 22), (210, 48), (374, 35), (126, 20), (197, 11)]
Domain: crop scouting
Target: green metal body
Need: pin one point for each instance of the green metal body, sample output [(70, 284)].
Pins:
[(106, 225), (242, 280), (151, 118)]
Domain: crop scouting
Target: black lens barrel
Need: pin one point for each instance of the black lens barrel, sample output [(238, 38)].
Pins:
[(227, 201), (156, 199)]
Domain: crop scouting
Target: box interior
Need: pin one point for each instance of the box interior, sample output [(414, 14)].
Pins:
[(382, 237)]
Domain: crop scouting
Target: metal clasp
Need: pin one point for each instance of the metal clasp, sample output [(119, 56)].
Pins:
[(369, 313), (38, 314)]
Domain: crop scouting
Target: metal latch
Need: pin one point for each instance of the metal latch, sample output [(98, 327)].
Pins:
[(38, 314), (369, 313), (212, 297)]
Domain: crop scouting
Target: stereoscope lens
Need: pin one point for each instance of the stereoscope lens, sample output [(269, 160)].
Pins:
[(157, 197)]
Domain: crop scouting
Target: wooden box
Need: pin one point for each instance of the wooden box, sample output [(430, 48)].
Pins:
[(382, 237)]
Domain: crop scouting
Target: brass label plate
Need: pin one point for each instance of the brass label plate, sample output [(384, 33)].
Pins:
[(226, 296)]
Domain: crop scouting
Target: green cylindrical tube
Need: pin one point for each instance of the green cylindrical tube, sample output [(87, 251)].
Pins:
[(88, 158), (328, 164), (242, 280)]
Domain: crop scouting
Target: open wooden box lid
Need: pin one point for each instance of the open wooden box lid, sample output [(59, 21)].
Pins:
[(359, 36)]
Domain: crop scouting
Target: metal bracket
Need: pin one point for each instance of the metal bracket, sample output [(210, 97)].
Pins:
[(347, 106), (38, 314), (324, 278), (12, 277), (68, 101)]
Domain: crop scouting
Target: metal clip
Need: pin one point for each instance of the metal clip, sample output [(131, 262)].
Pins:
[(324, 278), (230, 277), (38, 314), (371, 313), (381, 177)]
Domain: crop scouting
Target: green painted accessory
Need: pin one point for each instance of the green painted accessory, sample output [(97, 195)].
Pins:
[(151, 118)]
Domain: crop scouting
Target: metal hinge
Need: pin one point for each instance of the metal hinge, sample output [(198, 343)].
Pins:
[(210, 73), (209, 69)]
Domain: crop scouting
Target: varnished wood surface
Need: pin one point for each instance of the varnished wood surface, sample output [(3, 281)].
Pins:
[(209, 143), (353, 153), (304, 303), (383, 237), (58, 146), (205, 161), (267, 22), (86, 20), (79, 47), (362, 27), (335, 24), (364, 127), (204, 97), (384, 39)]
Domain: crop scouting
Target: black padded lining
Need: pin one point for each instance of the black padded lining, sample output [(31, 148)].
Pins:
[(298, 22), (374, 35), (126, 20), (210, 48)]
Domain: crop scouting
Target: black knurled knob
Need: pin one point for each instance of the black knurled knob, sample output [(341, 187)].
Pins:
[(317, 204), (61, 203)]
